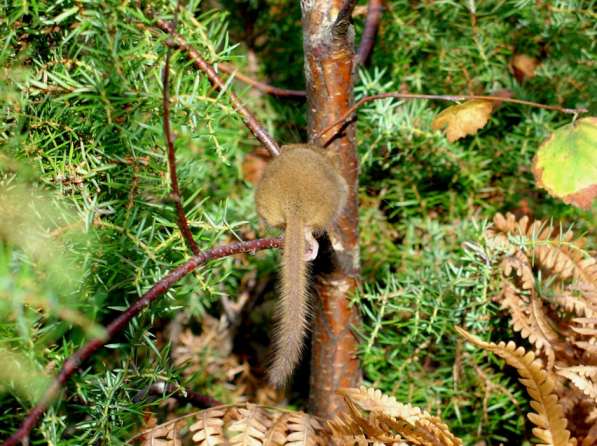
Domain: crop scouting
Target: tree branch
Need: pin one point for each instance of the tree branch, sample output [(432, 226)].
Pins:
[(344, 118), (374, 11), (329, 74), (182, 218), (262, 86), (252, 124), (72, 364)]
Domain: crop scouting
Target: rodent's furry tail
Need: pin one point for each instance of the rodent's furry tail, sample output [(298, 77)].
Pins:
[(292, 309)]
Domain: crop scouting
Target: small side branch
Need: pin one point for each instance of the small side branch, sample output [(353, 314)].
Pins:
[(72, 364), (374, 11), (345, 117), (182, 218), (343, 19), (177, 41), (261, 86), (162, 388)]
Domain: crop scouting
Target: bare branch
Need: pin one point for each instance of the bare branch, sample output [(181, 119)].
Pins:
[(182, 218), (72, 364), (374, 11), (262, 86), (345, 117), (252, 124)]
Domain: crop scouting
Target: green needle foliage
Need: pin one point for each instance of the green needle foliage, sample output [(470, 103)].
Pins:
[(88, 222)]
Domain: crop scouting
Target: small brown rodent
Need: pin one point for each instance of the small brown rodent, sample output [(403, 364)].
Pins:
[(302, 192)]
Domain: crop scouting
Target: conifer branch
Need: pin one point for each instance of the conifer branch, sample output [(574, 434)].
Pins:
[(72, 364), (177, 41), (345, 117)]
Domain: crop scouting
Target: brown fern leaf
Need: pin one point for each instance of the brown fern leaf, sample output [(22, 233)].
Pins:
[(209, 427), (530, 321), (163, 435), (578, 305), (544, 335), (373, 400), (413, 435), (548, 415), (387, 412), (303, 430), (276, 435), (584, 377), (519, 264), (556, 252), (250, 429), (425, 431), (586, 326), (567, 261), (352, 428)]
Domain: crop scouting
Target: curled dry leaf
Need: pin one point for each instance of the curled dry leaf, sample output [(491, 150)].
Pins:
[(463, 119), (524, 66)]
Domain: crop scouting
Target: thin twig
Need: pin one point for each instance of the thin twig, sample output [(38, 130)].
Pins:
[(72, 364), (374, 11), (182, 221), (262, 86), (252, 124), (362, 101), (182, 394)]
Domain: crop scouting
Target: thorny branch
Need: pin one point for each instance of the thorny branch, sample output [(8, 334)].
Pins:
[(182, 218), (345, 117), (72, 364), (177, 41)]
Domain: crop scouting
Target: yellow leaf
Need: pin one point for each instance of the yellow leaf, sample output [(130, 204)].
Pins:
[(463, 119)]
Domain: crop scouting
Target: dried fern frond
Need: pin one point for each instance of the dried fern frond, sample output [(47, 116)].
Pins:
[(584, 377), (578, 305), (529, 319), (372, 419), (352, 428), (373, 400), (302, 430), (399, 420), (209, 427), (549, 415), (251, 428), (551, 249), (163, 435), (239, 425), (518, 263)]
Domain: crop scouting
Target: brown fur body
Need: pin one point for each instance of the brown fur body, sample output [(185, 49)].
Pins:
[(302, 192)]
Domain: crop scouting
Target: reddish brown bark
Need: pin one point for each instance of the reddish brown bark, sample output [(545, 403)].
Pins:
[(329, 72)]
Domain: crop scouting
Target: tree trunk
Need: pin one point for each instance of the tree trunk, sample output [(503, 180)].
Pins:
[(329, 72)]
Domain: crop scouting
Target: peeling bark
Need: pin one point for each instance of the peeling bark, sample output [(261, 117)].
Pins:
[(329, 71)]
